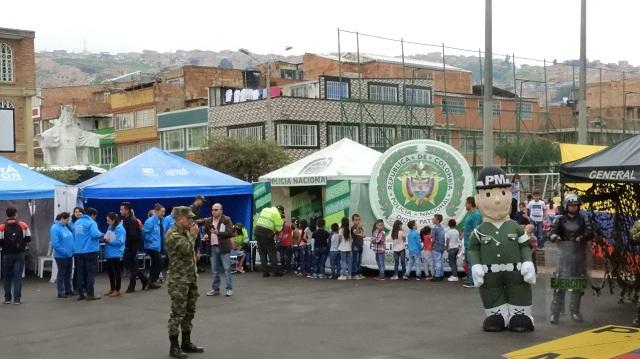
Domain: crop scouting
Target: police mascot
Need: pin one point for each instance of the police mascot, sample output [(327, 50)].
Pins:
[(500, 255), (572, 233)]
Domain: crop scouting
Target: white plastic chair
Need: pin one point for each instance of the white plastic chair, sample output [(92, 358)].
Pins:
[(43, 260)]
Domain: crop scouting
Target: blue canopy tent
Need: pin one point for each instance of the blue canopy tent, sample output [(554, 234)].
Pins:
[(32, 194), (156, 176)]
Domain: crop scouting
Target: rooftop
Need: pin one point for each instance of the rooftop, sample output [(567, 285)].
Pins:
[(352, 57), (16, 34)]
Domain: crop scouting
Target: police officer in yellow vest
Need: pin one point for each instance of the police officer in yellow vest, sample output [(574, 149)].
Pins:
[(269, 222)]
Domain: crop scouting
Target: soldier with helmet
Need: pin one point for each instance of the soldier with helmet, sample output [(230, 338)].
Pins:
[(572, 233), (500, 256)]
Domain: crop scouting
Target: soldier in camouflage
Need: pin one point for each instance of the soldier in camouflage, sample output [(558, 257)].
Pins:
[(182, 281)]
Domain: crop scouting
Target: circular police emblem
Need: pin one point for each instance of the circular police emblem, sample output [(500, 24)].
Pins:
[(416, 179), (316, 166)]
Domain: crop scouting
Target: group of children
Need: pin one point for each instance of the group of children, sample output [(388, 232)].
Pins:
[(305, 247)]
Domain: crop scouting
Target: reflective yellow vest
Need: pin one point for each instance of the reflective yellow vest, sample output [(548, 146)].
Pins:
[(270, 218)]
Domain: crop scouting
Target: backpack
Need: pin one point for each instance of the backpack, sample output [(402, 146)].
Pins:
[(14, 235)]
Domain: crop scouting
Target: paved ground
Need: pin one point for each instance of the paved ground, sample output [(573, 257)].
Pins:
[(283, 318)]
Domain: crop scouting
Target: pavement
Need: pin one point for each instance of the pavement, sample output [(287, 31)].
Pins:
[(287, 317)]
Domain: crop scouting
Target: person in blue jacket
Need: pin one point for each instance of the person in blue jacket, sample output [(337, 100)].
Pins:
[(62, 244), (153, 233), (113, 252), (85, 249)]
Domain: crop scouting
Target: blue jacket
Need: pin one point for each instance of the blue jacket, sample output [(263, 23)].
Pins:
[(151, 234), (414, 243), (61, 240), (115, 249), (168, 222), (86, 235), (473, 220), (438, 238)]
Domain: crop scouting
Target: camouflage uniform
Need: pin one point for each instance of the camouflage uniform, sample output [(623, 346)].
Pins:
[(181, 279)]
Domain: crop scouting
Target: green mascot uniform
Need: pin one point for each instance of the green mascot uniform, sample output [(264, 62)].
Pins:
[(501, 257)]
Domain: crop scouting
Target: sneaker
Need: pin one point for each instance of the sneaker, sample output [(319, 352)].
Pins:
[(320, 276), (342, 277), (405, 277), (93, 297), (417, 278), (17, 302), (452, 279), (62, 295), (468, 285), (312, 276), (395, 277), (228, 293), (381, 278), (359, 276), (213, 293), (6, 302), (349, 277)]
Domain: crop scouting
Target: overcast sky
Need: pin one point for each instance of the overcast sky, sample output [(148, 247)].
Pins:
[(535, 28)]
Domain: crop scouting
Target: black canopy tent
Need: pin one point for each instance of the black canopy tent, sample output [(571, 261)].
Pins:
[(613, 206)]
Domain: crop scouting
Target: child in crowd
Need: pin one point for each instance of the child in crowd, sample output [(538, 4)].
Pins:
[(345, 250), (357, 237), (414, 246), (286, 245), (321, 248), (533, 243), (452, 245), (427, 256), (537, 213), (377, 245), (438, 247), (296, 237), (522, 216), (399, 250), (240, 240), (308, 235), (334, 252), (303, 250)]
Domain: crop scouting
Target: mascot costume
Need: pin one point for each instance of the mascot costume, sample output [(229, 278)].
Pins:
[(500, 255)]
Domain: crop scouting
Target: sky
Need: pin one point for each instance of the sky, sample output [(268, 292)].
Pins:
[(534, 28)]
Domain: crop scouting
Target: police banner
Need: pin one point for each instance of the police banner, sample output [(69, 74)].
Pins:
[(261, 195), (336, 204)]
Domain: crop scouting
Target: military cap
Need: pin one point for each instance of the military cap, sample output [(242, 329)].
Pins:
[(201, 197), (492, 177), (182, 211)]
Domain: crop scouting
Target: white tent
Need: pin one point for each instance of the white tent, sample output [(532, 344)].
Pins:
[(344, 160), (301, 186)]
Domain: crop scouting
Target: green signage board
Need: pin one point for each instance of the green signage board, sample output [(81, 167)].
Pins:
[(261, 195), (336, 204)]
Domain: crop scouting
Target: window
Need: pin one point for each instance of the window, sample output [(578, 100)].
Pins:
[(297, 135), (176, 81), (525, 109), (453, 106), (469, 141), (337, 90), (6, 104), (251, 132), (383, 93), (443, 136), (106, 156), (173, 140), (300, 91), (128, 152), (414, 133), (6, 63), (291, 74), (380, 137), (417, 95), (145, 118), (197, 138), (337, 132), (146, 146), (496, 108), (124, 121)]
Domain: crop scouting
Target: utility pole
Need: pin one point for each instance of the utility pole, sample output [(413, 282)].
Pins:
[(487, 113), (582, 100)]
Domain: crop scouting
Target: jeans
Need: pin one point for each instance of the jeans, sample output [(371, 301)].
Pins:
[(12, 267), (345, 263), (286, 256), (453, 261), (539, 233), (156, 265), (114, 267), (356, 252), (220, 263), (321, 259), (297, 254), (467, 259), (334, 260), (380, 263), (63, 280), (399, 258), (87, 265), (414, 262), (437, 263), (131, 260), (427, 263), (311, 260)]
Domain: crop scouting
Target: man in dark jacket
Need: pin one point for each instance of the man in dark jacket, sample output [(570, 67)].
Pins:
[(14, 236), (133, 243), (218, 234)]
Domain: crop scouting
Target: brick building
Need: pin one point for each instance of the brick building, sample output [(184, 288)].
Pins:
[(17, 87)]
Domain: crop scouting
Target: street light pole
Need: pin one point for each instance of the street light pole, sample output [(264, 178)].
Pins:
[(487, 115), (582, 101)]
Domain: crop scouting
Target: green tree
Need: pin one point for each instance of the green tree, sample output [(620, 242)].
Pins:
[(245, 159), (64, 176), (532, 155)]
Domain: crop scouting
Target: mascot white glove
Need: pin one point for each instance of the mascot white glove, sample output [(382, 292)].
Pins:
[(528, 271), (477, 271)]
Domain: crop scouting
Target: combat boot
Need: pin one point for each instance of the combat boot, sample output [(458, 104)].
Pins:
[(174, 350), (556, 306), (576, 298), (188, 346)]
